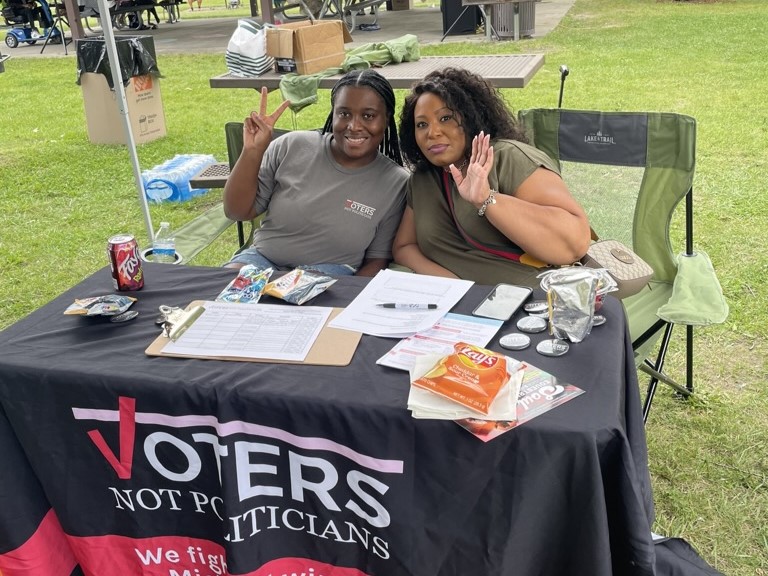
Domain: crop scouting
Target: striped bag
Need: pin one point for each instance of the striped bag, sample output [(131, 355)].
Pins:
[(247, 50)]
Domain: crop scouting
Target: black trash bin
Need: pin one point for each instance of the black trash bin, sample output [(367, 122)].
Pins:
[(457, 23), (141, 80)]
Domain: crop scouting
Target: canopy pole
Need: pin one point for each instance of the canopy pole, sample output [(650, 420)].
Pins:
[(122, 105)]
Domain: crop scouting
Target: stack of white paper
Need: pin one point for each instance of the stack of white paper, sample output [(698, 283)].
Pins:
[(365, 313), (440, 338)]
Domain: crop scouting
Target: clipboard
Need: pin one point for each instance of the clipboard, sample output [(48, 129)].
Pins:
[(333, 346)]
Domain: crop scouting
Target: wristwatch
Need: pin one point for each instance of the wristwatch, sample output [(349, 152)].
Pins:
[(487, 202)]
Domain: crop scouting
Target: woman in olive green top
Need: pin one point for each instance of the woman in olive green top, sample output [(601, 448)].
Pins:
[(480, 209)]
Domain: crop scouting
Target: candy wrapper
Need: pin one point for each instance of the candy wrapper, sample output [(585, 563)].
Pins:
[(108, 305), (298, 286), (248, 287)]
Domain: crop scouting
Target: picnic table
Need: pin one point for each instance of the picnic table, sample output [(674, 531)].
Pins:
[(502, 70)]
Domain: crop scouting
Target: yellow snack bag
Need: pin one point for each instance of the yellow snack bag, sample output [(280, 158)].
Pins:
[(298, 286)]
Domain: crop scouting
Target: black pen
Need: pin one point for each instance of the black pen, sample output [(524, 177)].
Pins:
[(407, 306)]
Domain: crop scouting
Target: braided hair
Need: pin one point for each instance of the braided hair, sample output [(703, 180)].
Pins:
[(368, 78), (478, 105)]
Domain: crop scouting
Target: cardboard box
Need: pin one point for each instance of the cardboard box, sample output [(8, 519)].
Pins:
[(395, 5), (102, 115), (307, 47)]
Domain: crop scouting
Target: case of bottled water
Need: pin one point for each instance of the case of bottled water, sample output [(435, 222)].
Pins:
[(169, 181)]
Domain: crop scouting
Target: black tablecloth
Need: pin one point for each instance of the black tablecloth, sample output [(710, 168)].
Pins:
[(129, 464)]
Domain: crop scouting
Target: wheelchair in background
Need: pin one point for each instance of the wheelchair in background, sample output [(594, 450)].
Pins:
[(30, 21)]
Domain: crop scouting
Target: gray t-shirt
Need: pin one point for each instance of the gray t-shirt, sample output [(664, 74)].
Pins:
[(320, 212)]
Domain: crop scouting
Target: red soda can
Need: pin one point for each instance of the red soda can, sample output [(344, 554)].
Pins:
[(124, 260)]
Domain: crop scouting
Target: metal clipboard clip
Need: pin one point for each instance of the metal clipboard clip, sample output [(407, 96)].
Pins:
[(177, 321)]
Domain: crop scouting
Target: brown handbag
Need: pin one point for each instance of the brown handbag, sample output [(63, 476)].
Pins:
[(630, 272)]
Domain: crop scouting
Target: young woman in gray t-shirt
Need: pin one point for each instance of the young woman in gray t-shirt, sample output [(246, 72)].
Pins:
[(332, 201)]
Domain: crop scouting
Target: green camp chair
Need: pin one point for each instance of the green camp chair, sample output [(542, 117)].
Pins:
[(233, 131), (630, 171)]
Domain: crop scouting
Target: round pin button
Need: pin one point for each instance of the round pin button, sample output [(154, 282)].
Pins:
[(543, 314), (598, 320), (536, 307), (552, 347), (531, 324), (514, 341)]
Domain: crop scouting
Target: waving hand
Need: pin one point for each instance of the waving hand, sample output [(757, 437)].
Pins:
[(473, 186)]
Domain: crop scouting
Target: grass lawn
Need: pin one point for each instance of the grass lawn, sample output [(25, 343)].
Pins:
[(61, 197)]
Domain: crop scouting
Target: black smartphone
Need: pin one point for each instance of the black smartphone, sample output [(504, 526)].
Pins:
[(503, 301)]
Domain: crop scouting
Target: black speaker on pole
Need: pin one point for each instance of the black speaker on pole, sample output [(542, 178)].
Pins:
[(457, 22)]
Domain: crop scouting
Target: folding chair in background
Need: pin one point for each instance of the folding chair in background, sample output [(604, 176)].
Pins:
[(286, 9), (233, 131), (630, 171)]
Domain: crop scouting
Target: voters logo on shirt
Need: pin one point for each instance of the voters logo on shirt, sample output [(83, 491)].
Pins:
[(359, 208)]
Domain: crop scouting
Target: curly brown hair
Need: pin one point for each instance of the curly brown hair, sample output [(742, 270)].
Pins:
[(476, 102)]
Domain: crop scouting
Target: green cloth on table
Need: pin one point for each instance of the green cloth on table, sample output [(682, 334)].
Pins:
[(402, 49), (697, 298), (301, 91)]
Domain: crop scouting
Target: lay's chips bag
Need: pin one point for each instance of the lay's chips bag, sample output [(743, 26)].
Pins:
[(471, 376)]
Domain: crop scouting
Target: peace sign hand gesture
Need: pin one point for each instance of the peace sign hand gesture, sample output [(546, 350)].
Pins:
[(257, 127), (474, 186)]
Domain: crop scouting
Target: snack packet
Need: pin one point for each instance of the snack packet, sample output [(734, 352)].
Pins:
[(108, 305), (605, 282), (247, 287), (298, 286), (572, 296), (471, 376)]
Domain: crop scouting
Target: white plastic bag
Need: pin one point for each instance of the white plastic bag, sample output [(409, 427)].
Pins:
[(247, 50)]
